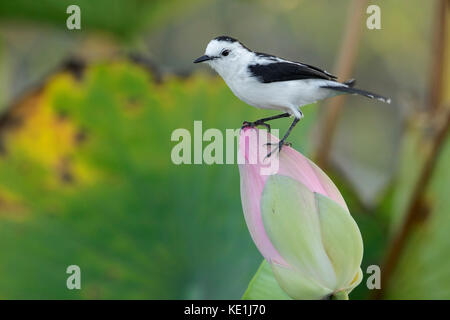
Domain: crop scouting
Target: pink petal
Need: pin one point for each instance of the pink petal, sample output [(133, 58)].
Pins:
[(289, 163), (252, 184), (293, 164)]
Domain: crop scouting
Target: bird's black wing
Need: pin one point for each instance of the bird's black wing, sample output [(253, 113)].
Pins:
[(284, 71)]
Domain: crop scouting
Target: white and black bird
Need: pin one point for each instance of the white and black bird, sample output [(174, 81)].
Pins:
[(269, 82)]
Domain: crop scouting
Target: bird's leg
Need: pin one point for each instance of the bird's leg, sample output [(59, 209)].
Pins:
[(283, 142), (262, 122)]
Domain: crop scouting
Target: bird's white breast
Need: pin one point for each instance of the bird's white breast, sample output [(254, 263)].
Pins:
[(282, 95)]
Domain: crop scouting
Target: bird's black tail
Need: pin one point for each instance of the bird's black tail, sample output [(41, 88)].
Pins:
[(349, 89)]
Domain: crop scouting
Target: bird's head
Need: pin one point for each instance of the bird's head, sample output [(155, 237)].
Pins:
[(225, 55)]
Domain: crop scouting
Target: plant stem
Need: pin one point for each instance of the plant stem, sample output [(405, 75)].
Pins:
[(344, 69), (439, 47), (340, 295), (417, 210)]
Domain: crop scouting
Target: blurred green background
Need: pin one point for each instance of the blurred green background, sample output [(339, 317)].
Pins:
[(86, 120)]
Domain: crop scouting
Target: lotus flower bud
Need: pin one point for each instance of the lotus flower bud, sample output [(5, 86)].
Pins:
[(299, 222)]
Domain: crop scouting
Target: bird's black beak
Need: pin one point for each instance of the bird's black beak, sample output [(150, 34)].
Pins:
[(202, 59)]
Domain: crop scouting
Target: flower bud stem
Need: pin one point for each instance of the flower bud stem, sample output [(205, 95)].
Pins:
[(340, 295)]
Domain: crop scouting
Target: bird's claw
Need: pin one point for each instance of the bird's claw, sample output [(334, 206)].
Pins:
[(278, 145), (248, 124)]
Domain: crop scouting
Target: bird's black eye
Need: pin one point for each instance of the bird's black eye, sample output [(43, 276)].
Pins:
[(225, 52)]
